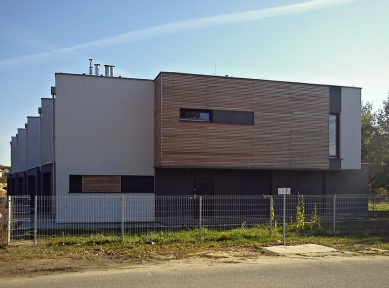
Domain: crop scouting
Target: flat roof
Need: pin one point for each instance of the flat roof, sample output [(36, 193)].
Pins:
[(204, 75), (253, 79)]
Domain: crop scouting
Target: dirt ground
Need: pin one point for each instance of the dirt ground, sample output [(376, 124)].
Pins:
[(62, 264)]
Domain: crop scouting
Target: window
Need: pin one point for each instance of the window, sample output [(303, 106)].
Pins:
[(138, 184), (334, 135), (217, 116), (195, 115)]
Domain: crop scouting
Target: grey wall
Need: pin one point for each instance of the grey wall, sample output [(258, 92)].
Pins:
[(258, 182), (33, 142), (180, 181), (310, 183), (335, 99), (22, 149), (350, 128), (46, 131), (348, 181), (239, 182), (103, 126), (284, 179)]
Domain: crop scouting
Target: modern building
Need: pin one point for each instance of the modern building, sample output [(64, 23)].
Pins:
[(185, 134)]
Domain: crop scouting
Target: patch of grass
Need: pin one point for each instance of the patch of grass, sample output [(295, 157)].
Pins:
[(179, 244)]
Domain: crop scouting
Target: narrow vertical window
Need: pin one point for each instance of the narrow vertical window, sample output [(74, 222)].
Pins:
[(334, 135)]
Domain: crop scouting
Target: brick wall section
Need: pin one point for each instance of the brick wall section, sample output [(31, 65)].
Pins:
[(290, 130)]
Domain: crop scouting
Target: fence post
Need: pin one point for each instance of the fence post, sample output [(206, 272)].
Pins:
[(333, 213), (284, 221), (200, 213), (35, 218), (9, 221), (271, 216), (122, 217)]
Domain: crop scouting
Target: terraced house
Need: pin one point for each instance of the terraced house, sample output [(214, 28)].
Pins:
[(185, 134)]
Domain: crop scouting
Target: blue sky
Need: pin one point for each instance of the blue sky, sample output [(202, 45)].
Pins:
[(340, 42)]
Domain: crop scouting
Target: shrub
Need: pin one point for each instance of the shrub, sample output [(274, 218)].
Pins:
[(300, 213), (3, 222), (382, 191)]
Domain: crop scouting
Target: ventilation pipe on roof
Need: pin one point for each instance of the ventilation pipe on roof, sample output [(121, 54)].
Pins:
[(90, 66), (106, 70), (112, 71), (97, 69)]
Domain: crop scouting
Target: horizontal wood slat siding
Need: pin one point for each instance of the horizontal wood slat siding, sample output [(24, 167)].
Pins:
[(101, 183), (290, 123)]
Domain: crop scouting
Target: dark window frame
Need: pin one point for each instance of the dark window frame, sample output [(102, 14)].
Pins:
[(336, 156)]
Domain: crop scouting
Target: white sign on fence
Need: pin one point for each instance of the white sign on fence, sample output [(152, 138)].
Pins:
[(282, 191)]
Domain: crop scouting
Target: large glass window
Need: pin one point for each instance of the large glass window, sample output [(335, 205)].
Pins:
[(334, 135), (195, 115)]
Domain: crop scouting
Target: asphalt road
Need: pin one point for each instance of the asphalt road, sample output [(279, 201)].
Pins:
[(284, 272)]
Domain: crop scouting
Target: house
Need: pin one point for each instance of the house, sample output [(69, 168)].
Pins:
[(186, 134)]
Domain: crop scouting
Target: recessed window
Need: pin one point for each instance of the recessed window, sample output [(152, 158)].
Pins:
[(195, 115), (217, 116), (111, 184), (334, 135)]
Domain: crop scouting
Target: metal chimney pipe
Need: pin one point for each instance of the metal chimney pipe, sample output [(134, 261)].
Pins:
[(112, 71), (106, 70), (90, 66), (97, 69)]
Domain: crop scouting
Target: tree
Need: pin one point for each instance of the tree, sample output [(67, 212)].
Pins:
[(375, 143), (381, 179), (368, 131)]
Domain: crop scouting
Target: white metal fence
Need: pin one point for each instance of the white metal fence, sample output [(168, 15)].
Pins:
[(133, 214)]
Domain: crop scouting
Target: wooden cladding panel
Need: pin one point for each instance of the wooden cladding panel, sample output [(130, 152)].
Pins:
[(290, 124), (101, 183)]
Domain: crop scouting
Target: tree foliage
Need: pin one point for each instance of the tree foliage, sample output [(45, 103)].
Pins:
[(375, 143)]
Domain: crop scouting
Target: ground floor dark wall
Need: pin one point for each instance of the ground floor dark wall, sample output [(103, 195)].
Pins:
[(33, 182), (38, 181), (259, 182), (348, 181)]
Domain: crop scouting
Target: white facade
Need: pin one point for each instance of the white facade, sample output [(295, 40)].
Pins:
[(33, 142), (46, 129), (102, 126), (350, 128)]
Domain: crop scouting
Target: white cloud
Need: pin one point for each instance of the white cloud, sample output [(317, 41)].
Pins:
[(175, 27)]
